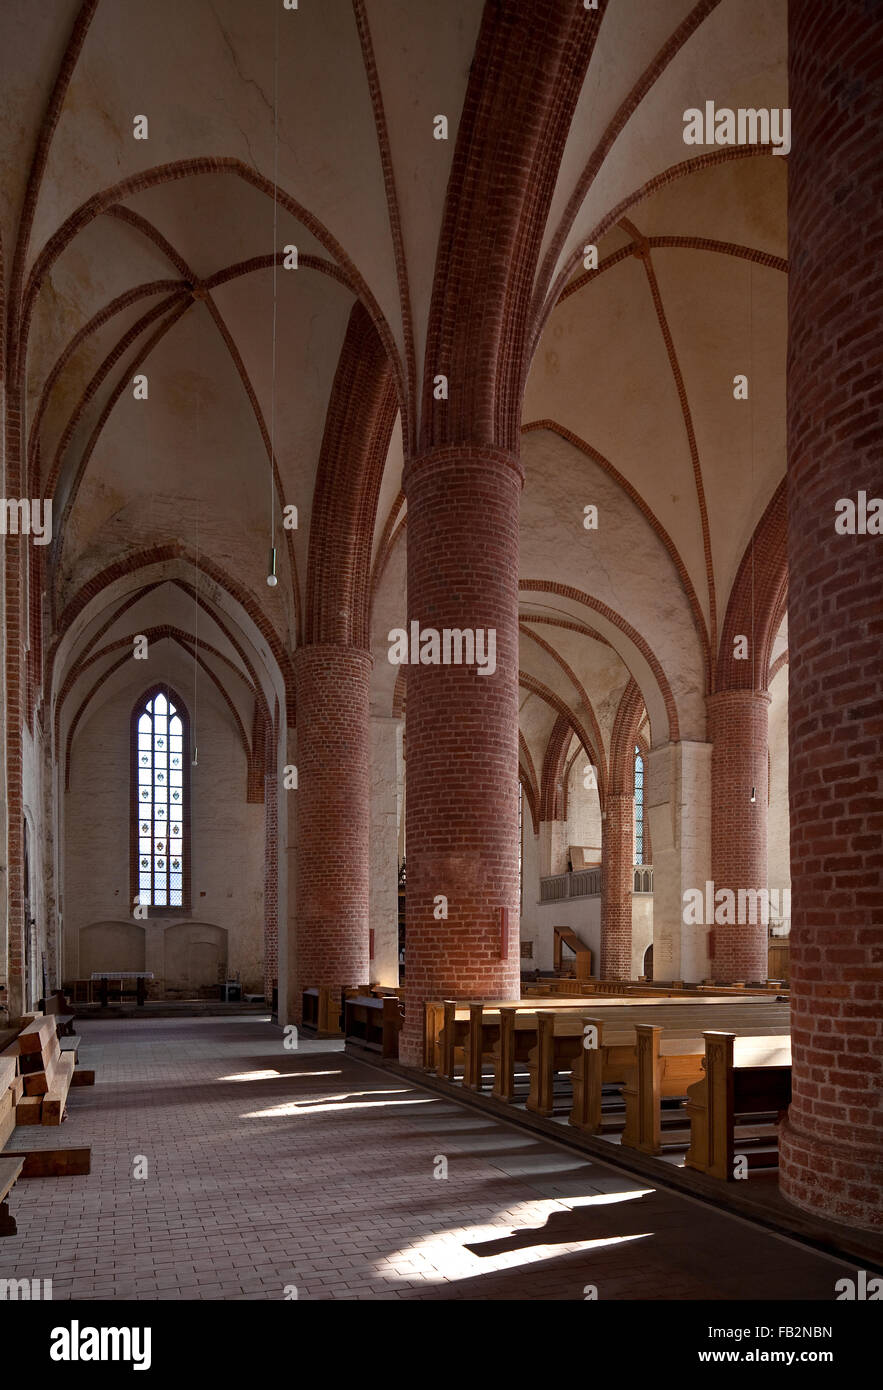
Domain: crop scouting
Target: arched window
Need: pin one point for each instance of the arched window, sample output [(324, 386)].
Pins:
[(639, 807), (161, 801)]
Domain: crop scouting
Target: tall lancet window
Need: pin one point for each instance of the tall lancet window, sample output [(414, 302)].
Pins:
[(161, 801), (639, 807)]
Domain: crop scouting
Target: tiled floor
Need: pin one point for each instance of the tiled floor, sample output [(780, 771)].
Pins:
[(271, 1170)]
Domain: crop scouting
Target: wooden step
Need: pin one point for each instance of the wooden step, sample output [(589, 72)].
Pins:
[(38, 1036), (29, 1110)]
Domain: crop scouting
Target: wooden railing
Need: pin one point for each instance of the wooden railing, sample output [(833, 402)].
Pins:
[(586, 883)]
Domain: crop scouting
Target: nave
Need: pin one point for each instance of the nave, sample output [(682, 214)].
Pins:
[(268, 1168)]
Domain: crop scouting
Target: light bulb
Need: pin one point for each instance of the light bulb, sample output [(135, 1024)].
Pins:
[(272, 580)]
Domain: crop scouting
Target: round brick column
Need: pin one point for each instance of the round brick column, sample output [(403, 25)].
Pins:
[(462, 734), (617, 884), (738, 730), (333, 810), (271, 885), (831, 1147)]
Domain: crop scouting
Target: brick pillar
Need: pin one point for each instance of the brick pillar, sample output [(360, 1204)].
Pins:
[(271, 884), (333, 811), (462, 728), (617, 885), (738, 728), (287, 934), (677, 800), (553, 847), (386, 743), (832, 1141)]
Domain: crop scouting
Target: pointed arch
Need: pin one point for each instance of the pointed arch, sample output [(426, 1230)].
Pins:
[(159, 839), (757, 600)]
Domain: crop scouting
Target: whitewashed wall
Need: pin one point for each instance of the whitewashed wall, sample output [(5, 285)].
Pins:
[(227, 844)]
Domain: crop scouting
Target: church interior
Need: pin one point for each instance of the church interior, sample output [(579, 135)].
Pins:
[(442, 610)]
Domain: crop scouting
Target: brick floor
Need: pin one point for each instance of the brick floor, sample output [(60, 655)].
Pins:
[(270, 1171)]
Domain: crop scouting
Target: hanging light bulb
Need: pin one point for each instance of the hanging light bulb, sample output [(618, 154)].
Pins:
[(753, 795), (195, 751), (271, 576)]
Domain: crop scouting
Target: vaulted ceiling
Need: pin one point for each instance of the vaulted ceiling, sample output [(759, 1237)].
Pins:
[(313, 128)]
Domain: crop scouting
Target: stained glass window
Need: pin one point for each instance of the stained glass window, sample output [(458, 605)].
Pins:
[(160, 794), (639, 807)]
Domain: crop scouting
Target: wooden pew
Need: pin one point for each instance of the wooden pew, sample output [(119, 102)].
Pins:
[(559, 1041), (662, 1068), (323, 1007), (742, 1076), (666, 1067), (561, 1045), (321, 1010), (484, 1034), (483, 1031), (686, 1014), (374, 1021), (606, 1062), (519, 1033), (448, 1031)]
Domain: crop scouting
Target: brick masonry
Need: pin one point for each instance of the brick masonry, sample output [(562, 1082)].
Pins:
[(616, 887), (832, 1142), (618, 843), (333, 811), (738, 723), (462, 763)]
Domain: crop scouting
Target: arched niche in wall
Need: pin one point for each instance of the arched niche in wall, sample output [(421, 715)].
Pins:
[(195, 955), (111, 947)]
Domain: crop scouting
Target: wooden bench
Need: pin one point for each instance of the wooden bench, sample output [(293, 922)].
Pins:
[(321, 1010), (742, 1077), (563, 1044), (561, 1049), (518, 1034), (662, 1068), (40, 1161), (374, 1021), (43, 1072), (57, 1004), (10, 1090), (668, 1067), (449, 1030), (604, 1063), (10, 1169)]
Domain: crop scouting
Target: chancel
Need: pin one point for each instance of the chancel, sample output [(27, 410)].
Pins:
[(441, 815)]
